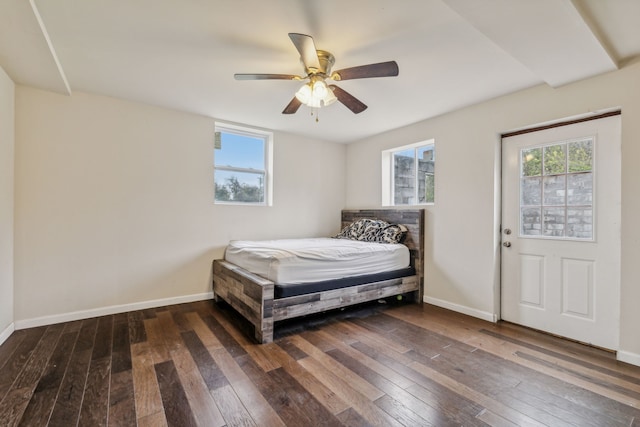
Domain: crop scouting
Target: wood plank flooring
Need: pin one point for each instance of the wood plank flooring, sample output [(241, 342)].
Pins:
[(379, 365)]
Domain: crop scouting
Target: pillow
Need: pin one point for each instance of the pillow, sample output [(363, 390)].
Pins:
[(393, 233), (373, 230), (353, 230), (383, 232)]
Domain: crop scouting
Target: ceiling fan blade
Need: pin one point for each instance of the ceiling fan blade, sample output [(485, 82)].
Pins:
[(292, 107), (266, 77), (307, 49), (349, 101), (381, 69)]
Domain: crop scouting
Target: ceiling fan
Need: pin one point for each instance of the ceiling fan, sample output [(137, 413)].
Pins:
[(317, 67)]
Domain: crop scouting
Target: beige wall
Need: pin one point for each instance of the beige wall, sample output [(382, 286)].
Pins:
[(462, 239), (6, 200), (113, 199), (114, 202)]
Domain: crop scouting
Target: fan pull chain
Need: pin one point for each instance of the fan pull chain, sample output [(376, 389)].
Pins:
[(317, 116), (316, 112)]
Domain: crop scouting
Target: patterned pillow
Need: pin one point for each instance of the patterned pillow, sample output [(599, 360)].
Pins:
[(353, 230), (373, 230), (393, 233), (383, 232)]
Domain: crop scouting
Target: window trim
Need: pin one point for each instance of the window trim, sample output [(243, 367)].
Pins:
[(267, 137), (541, 236), (388, 176)]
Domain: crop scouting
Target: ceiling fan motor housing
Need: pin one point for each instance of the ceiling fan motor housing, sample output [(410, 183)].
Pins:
[(326, 60)]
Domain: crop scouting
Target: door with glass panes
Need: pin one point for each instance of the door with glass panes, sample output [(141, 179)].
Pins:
[(561, 230)]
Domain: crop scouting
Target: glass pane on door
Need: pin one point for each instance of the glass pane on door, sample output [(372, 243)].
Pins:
[(554, 222), (580, 189), (556, 190), (530, 224), (555, 159), (580, 223), (581, 156)]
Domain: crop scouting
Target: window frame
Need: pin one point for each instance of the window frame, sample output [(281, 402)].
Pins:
[(565, 205), (388, 173), (267, 171)]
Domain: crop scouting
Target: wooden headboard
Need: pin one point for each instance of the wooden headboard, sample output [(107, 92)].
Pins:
[(413, 219)]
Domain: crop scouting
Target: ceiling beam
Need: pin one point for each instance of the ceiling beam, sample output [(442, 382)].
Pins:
[(26, 51), (549, 37), (52, 50)]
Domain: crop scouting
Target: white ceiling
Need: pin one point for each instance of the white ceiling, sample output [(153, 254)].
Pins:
[(182, 54)]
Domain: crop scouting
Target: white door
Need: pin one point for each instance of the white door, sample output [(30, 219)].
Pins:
[(561, 230)]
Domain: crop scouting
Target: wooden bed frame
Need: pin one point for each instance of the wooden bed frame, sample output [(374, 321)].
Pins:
[(253, 296)]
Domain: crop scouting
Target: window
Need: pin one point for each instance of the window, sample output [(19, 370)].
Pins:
[(409, 174), (242, 165), (556, 190)]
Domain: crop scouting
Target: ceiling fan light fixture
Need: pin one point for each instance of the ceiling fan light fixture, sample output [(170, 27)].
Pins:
[(314, 102), (316, 94), (319, 89), (304, 93), (330, 98)]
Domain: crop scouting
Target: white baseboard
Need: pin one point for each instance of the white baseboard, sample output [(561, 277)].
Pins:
[(484, 315), (628, 357), (7, 332), (112, 309)]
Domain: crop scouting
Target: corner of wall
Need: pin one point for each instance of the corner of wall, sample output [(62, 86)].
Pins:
[(6, 333), (7, 156), (628, 357)]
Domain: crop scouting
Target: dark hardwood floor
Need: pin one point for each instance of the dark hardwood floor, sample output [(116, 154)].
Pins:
[(411, 365)]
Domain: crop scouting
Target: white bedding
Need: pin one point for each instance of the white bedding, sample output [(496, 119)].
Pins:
[(312, 260)]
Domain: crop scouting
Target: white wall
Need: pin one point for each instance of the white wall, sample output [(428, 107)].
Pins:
[(462, 238), (7, 91), (114, 202)]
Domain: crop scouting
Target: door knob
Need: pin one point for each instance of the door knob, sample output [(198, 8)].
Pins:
[(507, 244)]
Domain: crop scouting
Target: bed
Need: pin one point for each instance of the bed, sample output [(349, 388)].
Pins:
[(264, 294)]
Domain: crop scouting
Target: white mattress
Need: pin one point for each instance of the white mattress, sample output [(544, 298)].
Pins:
[(312, 260)]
